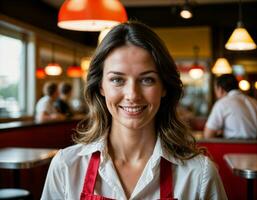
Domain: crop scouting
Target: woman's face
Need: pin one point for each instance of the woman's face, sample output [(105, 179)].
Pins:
[(132, 87)]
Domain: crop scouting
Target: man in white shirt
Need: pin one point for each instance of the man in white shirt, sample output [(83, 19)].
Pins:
[(45, 110), (234, 115)]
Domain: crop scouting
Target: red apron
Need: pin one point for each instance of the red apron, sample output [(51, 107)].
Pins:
[(166, 189)]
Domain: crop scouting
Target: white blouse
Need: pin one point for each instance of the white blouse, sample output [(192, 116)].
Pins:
[(194, 179)]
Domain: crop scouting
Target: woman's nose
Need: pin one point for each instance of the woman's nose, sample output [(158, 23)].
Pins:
[(133, 92)]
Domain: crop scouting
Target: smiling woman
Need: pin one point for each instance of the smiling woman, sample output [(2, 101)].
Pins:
[(132, 145), (132, 88)]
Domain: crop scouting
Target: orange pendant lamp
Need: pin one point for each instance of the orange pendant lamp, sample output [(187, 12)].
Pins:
[(91, 15), (74, 71), (40, 73), (196, 71), (53, 68)]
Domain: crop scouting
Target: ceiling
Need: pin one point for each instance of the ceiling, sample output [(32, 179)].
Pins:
[(220, 16), (139, 3), (216, 14), (165, 13)]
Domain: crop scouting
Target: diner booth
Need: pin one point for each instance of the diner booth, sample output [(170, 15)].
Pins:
[(30, 40)]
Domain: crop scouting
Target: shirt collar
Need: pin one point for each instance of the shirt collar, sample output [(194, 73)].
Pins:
[(233, 92), (98, 145), (160, 151), (101, 145)]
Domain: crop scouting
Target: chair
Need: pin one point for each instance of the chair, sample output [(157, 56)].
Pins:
[(14, 194)]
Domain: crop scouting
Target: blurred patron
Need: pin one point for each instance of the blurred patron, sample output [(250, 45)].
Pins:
[(62, 104), (234, 115), (45, 110)]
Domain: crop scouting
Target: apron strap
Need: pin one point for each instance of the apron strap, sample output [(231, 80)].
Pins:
[(92, 170), (166, 187)]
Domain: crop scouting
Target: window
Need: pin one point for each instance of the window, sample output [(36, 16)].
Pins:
[(13, 73)]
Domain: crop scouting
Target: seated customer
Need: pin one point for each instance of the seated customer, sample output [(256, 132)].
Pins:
[(45, 110), (234, 115), (62, 104)]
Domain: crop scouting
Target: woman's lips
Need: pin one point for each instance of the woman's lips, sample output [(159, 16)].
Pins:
[(133, 110)]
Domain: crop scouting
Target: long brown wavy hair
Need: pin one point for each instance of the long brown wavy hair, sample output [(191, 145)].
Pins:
[(174, 134)]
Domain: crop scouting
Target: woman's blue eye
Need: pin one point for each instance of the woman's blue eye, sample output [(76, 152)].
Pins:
[(148, 81), (117, 81)]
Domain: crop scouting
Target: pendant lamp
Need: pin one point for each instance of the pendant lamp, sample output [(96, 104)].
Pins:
[(240, 40), (53, 68), (40, 73), (196, 71), (102, 34), (221, 66), (85, 63), (244, 85), (74, 71), (91, 15), (186, 11)]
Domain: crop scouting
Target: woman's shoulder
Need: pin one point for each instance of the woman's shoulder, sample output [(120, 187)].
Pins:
[(72, 150), (77, 152), (200, 163), (69, 155)]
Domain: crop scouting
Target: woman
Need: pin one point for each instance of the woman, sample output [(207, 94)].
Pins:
[(132, 145)]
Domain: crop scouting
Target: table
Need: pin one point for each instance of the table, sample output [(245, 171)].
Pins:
[(24, 158), (244, 165)]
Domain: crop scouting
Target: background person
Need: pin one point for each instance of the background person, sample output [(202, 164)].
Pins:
[(45, 110), (234, 115), (132, 145), (62, 104)]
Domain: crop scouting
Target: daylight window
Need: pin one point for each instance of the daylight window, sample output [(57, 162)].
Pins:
[(12, 62)]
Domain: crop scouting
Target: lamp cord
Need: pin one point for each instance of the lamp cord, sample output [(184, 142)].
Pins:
[(240, 16), (221, 42), (52, 54), (196, 49)]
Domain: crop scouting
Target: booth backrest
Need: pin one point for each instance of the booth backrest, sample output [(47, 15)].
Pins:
[(235, 186)]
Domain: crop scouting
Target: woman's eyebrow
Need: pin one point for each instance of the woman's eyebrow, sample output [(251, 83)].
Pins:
[(142, 73), (148, 72), (116, 72)]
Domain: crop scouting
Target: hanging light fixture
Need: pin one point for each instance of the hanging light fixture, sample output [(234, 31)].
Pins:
[(102, 34), (186, 11), (196, 71), (244, 85), (221, 66), (91, 15), (74, 71), (53, 68), (240, 40), (40, 73), (85, 63)]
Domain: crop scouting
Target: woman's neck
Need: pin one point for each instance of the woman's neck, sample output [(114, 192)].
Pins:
[(131, 145)]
